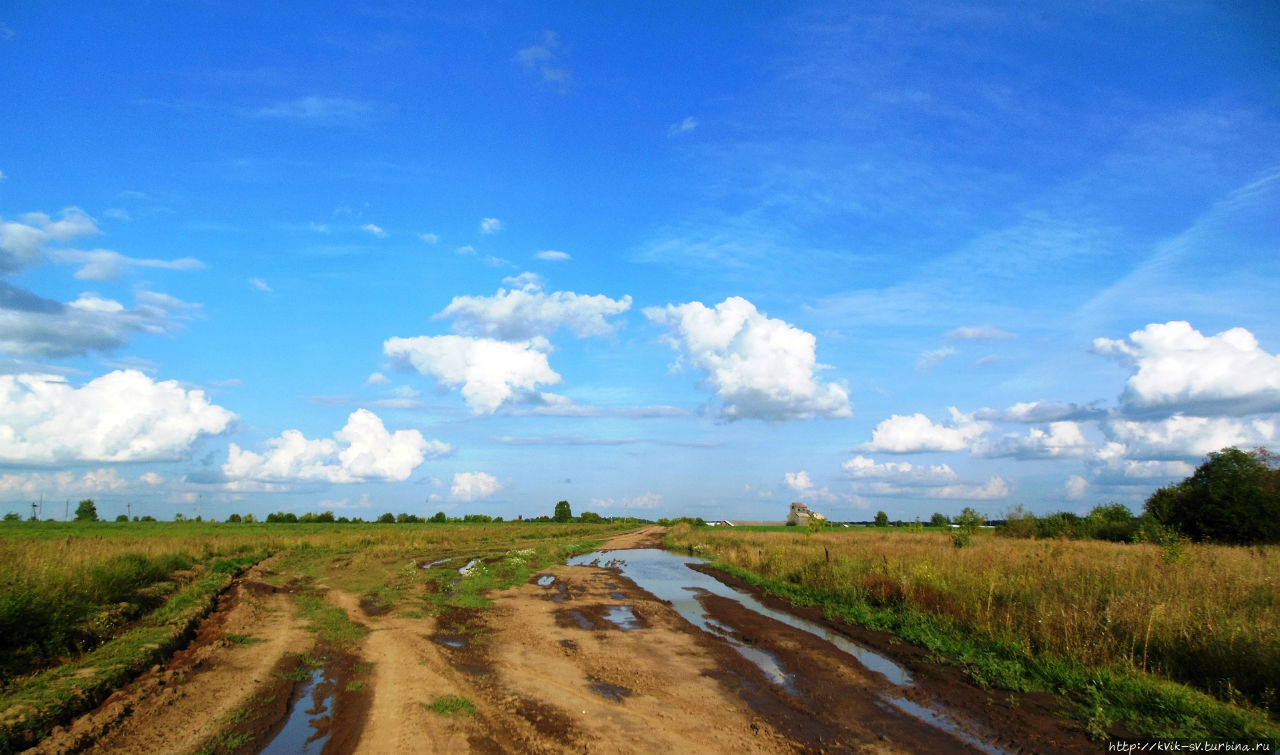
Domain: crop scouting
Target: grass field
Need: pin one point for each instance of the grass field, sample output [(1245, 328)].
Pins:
[(1107, 622), (86, 606)]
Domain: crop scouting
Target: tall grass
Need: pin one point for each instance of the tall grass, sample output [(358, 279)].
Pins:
[(1207, 616)]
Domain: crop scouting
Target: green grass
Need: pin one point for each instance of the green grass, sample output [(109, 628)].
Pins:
[(226, 743), (448, 705), (242, 639), (329, 622)]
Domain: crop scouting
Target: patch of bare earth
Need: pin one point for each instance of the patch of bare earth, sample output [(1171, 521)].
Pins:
[(177, 707)]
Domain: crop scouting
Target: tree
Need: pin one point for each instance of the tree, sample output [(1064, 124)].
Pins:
[(563, 512), (234, 518), (1233, 497), (882, 519), (387, 518), (970, 520), (590, 517), (122, 517), (939, 520), (87, 511), (13, 516)]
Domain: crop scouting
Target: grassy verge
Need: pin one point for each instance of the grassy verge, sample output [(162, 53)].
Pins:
[(33, 706), (892, 583)]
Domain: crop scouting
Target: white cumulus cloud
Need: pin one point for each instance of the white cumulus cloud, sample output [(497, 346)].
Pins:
[(1180, 370), (526, 311), (361, 451), (373, 230), (862, 467), (490, 225), (552, 255), (916, 433), (759, 368), (1062, 440), (1182, 437), (489, 372), (472, 486), (121, 416), (798, 481)]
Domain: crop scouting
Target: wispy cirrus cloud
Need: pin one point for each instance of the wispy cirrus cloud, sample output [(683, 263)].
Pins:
[(317, 109), (545, 58), (106, 265)]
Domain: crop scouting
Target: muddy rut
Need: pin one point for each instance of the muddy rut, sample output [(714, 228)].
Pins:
[(580, 659)]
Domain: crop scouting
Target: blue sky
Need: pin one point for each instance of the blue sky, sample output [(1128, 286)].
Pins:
[(684, 259)]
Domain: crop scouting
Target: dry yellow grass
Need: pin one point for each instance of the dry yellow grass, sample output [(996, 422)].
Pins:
[(1210, 618)]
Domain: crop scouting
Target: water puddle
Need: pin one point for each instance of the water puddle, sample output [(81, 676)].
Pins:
[(617, 596), (581, 620), (307, 728), (941, 721), (622, 617), (448, 641), (608, 691), (464, 571), (546, 580), (666, 576), (437, 563), (562, 592)]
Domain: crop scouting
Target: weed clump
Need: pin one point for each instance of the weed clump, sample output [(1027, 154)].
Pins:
[(447, 705)]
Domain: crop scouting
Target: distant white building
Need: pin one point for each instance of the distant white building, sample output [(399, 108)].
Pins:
[(800, 515)]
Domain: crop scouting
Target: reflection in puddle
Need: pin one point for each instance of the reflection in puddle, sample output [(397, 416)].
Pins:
[(622, 617), (437, 563), (940, 720), (464, 571), (667, 577), (306, 729), (448, 641), (546, 580)]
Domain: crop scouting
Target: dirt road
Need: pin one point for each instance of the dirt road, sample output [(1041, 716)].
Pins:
[(580, 659)]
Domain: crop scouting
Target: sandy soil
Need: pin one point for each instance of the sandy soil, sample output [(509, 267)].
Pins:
[(547, 672)]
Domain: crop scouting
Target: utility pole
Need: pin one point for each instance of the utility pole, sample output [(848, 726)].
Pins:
[(66, 511), (33, 511), (128, 507)]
